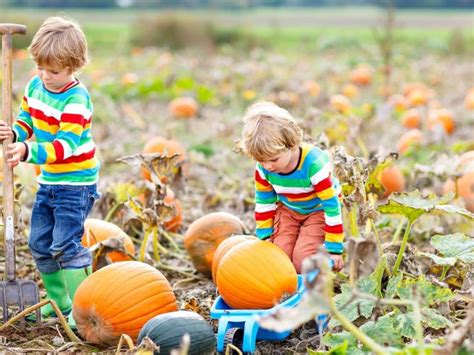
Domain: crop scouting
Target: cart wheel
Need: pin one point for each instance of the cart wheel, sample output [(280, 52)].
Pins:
[(234, 336)]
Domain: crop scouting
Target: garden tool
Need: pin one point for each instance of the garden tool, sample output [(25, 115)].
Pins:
[(15, 295)]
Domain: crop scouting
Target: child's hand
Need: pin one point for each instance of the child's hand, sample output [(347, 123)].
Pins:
[(5, 131), (338, 262), (15, 154)]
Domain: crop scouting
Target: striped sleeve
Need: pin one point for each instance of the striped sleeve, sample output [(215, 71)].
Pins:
[(74, 119), (265, 205), (23, 125), (320, 175)]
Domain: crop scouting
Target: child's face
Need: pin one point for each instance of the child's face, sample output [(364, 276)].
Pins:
[(283, 163), (54, 79)]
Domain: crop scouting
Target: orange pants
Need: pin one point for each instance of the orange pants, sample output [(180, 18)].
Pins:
[(299, 235)]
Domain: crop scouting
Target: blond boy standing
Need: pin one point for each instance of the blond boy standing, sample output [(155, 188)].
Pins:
[(57, 110), (296, 195)]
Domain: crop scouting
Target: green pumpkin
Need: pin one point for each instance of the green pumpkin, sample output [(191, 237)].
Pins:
[(166, 330)]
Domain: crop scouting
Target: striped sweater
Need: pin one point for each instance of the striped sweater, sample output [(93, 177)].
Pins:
[(309, 188), (61, 124)]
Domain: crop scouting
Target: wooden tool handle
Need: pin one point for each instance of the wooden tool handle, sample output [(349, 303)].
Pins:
[(7, 30)]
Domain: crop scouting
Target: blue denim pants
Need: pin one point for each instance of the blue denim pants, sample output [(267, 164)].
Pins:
[(57, 226)]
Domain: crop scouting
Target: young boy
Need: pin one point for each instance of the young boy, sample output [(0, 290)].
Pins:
[(57, 110), (297, 205)]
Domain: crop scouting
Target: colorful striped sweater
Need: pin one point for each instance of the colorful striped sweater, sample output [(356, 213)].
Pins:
[(309, 188), (61, 124)]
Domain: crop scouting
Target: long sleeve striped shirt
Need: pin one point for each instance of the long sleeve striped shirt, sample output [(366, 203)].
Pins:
[(309, 188), (61, 124)]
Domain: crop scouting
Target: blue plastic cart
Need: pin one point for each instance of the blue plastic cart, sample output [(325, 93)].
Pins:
[(240, 327)]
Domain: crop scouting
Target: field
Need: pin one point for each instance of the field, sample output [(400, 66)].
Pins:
[(393, 104)]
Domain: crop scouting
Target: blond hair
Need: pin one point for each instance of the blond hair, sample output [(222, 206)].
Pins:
[(268, 131), (61, 43)]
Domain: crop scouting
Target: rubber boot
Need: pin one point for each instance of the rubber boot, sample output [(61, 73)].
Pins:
[(74, 277), (56, 290)]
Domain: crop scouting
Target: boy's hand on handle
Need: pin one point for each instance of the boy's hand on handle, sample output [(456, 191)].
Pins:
[(16, 152), (338, 262), (5, 131)]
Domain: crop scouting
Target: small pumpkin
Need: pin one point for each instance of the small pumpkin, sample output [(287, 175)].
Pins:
[(441, 117), (175, 222), (119, 299), (362, 75), (160, 145), (97, 230), (340, 103), (167, 330), (469, 100), (392, 180), (465, 184), (409, 139), (183, 107), (411, 119), (255, 275), (224, 247), (204, 235), (350, 91)]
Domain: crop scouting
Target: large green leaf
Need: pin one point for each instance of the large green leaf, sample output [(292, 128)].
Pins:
[(405, 324), (384, 331), (434, 319), (393, 284), (455, 245), (334, 340), (428, 292), (413, 205), (359, 306)]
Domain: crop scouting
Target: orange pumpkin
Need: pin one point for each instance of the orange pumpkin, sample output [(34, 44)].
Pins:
[(175, 222), (205, 234), (224, 247), (97, 230), (398, 102), (465, 184), (312, 87), (392, 180), (442, 117), (159, 145), (350, 90), (469, 100), (183, 107), (340, 103), (362, 75), (255, 275), (119, 299), (409, 139), (411, 119)]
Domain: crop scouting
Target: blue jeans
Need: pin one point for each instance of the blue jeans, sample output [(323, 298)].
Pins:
[(57, 226)]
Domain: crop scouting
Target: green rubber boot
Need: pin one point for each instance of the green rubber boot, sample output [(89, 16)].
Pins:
[(56, 289), (74, 277)]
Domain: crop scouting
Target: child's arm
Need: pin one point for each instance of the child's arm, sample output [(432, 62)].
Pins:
[(23, 126), (75, 119), (320, 175), (265, 205)]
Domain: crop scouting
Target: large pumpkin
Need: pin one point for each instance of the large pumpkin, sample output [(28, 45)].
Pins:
[(159, 145), (97, 230), (224, 247), (409, 140), (167, 330), (205, 234), (255, 275), (119, 299)]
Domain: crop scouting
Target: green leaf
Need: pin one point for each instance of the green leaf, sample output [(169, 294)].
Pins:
[(384, 331), (413, 205), (393, 283), (405, 324), (429, 292), (340, 349), (204, 94), (434, 319), (333, 340), (439, 259), (358, 307), (456, 245)]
